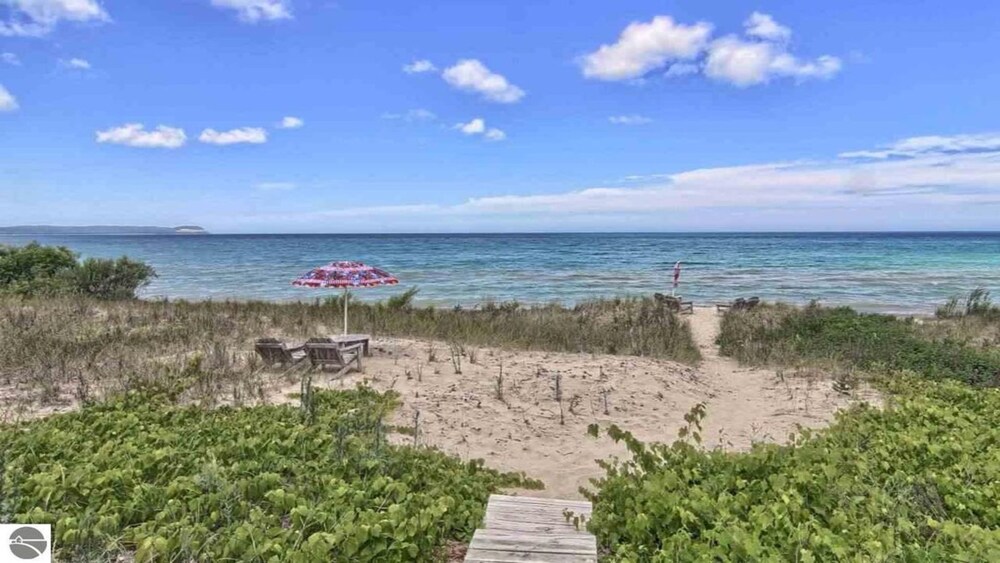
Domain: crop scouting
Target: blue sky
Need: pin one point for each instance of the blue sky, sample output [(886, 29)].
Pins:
[(350, 116)]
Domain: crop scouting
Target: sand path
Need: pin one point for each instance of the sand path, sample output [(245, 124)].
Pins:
[(516, 423)]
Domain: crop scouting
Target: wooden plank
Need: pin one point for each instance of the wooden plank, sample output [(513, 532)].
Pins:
[(533, 543), (539, 501), (559, 524), (534, 527), (493, 556), (527, 513), (550, 511)]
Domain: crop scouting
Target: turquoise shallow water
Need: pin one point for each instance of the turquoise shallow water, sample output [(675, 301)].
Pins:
[(889, 272)]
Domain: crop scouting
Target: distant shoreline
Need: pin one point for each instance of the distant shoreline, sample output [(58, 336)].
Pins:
[(112, 230)]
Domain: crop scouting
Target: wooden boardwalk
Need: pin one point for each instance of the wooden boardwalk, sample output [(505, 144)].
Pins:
[(528, 529)]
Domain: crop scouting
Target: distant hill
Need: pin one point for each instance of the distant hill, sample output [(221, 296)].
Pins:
[(101, 230)]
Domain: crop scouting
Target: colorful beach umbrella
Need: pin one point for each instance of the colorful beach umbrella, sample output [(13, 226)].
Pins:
[(345, 275)]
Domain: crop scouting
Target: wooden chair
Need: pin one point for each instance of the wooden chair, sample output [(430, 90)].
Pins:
[(276, 352), (344, 358), (740, 304), (674, 304)]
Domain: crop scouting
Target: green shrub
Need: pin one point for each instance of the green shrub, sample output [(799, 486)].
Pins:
[(34, 270), (110, 279), (917, 481), (137, 477)]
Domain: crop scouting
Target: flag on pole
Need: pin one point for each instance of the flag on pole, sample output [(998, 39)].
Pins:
[(677, 273)]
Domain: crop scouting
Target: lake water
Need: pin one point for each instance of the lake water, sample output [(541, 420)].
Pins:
[(889, 272)]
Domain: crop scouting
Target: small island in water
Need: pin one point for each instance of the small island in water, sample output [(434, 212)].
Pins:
[(101, 230)]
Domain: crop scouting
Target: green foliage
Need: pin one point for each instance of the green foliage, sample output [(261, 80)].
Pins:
[(917, 481), (110, 279), (844, 338), (402, 301), (35, 270), (977, 304), (254, 484)]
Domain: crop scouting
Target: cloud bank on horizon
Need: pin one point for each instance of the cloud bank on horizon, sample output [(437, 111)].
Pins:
[(926, 171)]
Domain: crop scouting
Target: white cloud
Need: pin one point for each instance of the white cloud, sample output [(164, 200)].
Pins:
[(683, 49), (494, 134), (275, 186), (416, 114), (478, 127), (35, 18), (632, 119), (291, 123), (75, 63), (935, 177), (419, 67), (10, 59), (932, 145), (251, 135), (763, 26), (682, 69), (135, 135), (7, 100), (644, 47), (474, 127), (253, 11), (747, 63), (470, 75)]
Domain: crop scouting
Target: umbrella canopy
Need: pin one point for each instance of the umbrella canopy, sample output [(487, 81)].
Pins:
[(345, 275)]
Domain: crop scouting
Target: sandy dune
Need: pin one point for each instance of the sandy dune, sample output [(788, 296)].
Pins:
[(522, 430)]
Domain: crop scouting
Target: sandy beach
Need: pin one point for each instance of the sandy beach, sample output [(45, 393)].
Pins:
[(463, 414)]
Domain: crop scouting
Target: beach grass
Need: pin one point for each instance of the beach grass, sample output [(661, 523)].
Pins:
[(841, 339), (85, 346)]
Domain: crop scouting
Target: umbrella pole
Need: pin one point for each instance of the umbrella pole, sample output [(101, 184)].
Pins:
[(346, 297)]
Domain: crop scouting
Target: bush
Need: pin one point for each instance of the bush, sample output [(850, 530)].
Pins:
[(140, 479), (918, 481), (34, 270), (110, 279)]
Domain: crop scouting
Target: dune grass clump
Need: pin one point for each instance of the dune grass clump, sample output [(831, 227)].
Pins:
[(977, 304), (139, 478), (841, 338), (634, 326), (78, 348)]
